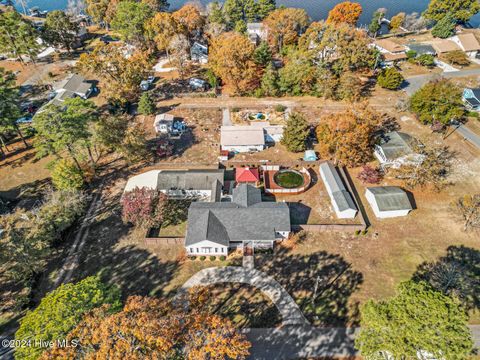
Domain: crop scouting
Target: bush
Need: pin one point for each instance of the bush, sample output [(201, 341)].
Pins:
[(370, 175), (192, 258), (146, 105), (67, 176), (223, 258), (280, 108), (411, 54), (203, 258), (426, 60), (457, 57), (390, 79), (364, 232), (213, 258), (143, 207), (357, 232)]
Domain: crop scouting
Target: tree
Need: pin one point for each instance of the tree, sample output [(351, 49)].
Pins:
[(61, 310), (239, 10), (161, 29), (468, 209), (345, 12), (262, 54), (370, 175), (417, 319), (427, 60), (143, 207), (240, 27), (18, 37), (155, 329), (396, 21), (9, 108), (348, 137), (297, 77), (157, 5), (375, 23), (97, 9), (415, 22), (130, 19), (445, 27), (146, 105), (284, 26), (270, 80), (189, 19), (65, 128), (66, 176), (438, 101), (433, 170), (460, 10), (327, 83), (231, 59), (215, 13), (296, 133), (349, 87), (134, 145), (457, 57), (59, 29), (390, 78), (179, 52), (120, 75), (265, 7)]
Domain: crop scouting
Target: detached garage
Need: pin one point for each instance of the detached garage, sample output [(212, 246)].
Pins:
[(388, 201)]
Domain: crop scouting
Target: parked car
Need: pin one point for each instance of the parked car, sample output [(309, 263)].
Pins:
[(145, 85)]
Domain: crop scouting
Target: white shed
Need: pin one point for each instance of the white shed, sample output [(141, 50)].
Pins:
[(388, 201), (242, 138), (341, 199)]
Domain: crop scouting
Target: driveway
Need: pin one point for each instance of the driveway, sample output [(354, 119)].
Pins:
[(289, 310)]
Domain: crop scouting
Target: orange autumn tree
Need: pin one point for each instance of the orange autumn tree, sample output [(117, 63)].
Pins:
[(231, 59), (348, 137), (189, 19), (152, 328), (345, 12), (284, 26)]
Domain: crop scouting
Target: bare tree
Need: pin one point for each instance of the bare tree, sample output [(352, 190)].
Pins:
[(180, 53), (468, 209)]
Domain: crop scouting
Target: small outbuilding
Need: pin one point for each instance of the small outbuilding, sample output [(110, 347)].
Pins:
[(341, 199), (240, 139), (388, 201), (310, 155), (395, 149), (247, 175)]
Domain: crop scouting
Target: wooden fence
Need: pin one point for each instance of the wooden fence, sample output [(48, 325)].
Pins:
[(155, 241)]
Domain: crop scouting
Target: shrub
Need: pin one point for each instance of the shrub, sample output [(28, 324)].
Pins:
[(280, 108), (370, 175), (357, 232), (426, 60), (202, 258), (390, 79), (67, 176), (192, 258), (213, 258), (223, 258), (457, 57), (411, 54), (364, 232), (143, 207), (146, 105)]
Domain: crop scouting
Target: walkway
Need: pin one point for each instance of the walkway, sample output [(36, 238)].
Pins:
[(226, 117), (289, 310)]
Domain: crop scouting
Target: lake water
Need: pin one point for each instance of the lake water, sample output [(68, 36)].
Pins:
[(317, 9)]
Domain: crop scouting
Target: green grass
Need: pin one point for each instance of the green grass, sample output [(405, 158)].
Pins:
[(288, 179)]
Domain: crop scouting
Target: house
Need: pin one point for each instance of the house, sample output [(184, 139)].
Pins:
[(272, 133), (391, 51), (471, 98), (444, 46), (395, 149), (257, 32), (214, 228), (240, 139), (203, 184), (388, 201), (167, 124), (75, 84), (341, 199), (198, 84), (421, 49), (468, 43), (247, 175), (199, 53)]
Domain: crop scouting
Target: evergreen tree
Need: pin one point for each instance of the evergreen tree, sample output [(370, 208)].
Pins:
[(445, 27), (265, 7), (146, 105), (263, 55), (66, 176), (215, 13), (233, 10), (241, 27), (390, 79), (417, 319), (296, 133), (59, 29), (270, 82)]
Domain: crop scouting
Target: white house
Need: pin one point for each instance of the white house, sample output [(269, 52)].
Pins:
[(199, 53), (395, 149), (163, 123), (468, 43), (388, 201), (257, 32), (391, 51), (242, 139), (341, 199), (215, 227)]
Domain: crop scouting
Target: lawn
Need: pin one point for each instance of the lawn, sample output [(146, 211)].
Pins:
[(288, 179)]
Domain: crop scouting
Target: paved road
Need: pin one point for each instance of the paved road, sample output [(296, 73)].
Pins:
[(416, 82), (289, 310), (469, 135)]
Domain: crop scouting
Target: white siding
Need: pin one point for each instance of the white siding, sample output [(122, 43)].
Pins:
[(383, 214), (207, 248), (242, 148)]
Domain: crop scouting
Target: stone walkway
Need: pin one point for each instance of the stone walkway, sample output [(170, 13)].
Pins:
[(288, 309)]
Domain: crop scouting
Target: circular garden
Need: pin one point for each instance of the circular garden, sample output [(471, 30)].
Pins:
[(288, 179)]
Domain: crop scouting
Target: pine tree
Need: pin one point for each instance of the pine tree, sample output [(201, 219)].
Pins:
[(270, 82), (445, 27), (263, 54), (390, 79), (265, 7), (146, 105), (295, 133)]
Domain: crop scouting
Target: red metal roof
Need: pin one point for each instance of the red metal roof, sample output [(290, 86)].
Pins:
[(246, 175)]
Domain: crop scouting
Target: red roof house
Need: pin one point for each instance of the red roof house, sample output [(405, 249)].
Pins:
[(247, 175)]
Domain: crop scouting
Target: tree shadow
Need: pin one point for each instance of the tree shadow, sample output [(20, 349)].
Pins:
[(176, 212), (455, 274), (321, 283)]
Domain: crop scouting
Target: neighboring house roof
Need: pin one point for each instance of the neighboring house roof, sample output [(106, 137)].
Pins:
[(468, 42), (246, 175), (163, 119), (472, 96), (394, 57), (74, 83), (390, 198), (242, 135), (444, 46), (255, 26), (396, 144), (177, 179), (422, 49), (339, 193), (389, 45), (245, 218), (198, 49)]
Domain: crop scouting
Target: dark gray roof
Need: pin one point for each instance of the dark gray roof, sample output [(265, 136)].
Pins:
[(246, 196), (222, 222), (422, 49), (189, 179), (396, 144), (335, 185), (390, 198), (74, 83)]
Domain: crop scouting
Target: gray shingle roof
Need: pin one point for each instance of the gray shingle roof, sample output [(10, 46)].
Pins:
[(390, 198), (422, 49), (189, 179), (335, 185), (246, 196), (396, 144), (223, 222)]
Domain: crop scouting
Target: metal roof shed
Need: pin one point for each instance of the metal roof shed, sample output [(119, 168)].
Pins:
[(388, 201)]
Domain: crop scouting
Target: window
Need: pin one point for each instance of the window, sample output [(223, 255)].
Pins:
[(197, 250), (191, 250), (216, 250)]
